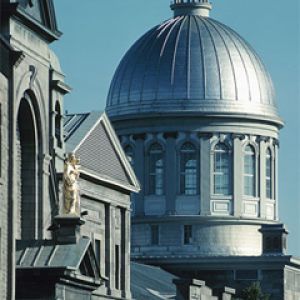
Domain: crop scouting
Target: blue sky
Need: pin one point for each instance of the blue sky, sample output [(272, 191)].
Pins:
[(97, 34)]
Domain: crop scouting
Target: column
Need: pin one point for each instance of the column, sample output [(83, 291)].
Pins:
[(275, 178), (170, 174), (125, 259), (139, 168)]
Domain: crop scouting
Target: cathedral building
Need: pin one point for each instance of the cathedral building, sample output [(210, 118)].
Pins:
[(195, 110), (55, 244)]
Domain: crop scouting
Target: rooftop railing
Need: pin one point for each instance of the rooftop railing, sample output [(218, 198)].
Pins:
[(190, 1)]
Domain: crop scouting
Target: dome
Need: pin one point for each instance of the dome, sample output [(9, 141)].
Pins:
[(192, 64)]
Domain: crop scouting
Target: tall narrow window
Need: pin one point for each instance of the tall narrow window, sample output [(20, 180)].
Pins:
[(58, 124), (249, 172), (129, 154), (188, 234), (188, 170), (222, 170), (117, 267), (154, 235), (269, 184), (156, 170), (98, 251)]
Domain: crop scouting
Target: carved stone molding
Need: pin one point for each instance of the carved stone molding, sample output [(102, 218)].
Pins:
[(239, 136)]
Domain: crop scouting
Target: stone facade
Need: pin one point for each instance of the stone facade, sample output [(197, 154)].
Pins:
[(32, 229), (4, 247)]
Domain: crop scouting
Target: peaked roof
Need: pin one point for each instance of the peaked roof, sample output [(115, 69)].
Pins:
[(93, 139)]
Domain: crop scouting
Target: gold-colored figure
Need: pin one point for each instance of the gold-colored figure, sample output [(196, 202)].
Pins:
[(71, 188)]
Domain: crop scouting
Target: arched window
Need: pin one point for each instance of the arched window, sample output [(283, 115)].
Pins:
[(269, 183), (188, 170), (129, 154), (249, 171), (222, 170), (156, 170)]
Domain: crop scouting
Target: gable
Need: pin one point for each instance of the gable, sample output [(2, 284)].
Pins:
[(98, 154), (93, 139)]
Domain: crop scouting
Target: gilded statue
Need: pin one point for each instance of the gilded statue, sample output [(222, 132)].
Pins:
[(71, 188)]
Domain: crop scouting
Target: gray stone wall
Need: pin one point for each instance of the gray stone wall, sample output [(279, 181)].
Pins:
[(3, 185), (292, 283), (108, 222)]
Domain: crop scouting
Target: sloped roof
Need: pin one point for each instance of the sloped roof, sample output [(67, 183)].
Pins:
[(93, 139), (46, 254), (151, 283)]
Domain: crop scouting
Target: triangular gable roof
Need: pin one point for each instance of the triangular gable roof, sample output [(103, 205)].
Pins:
[(93, 139)]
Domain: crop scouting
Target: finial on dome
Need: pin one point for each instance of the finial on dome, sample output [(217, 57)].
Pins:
[(191, 7)]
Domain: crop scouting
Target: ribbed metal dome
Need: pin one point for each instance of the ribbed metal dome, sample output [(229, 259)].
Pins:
[(192, 64)]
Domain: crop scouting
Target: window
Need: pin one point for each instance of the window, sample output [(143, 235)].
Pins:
[(222, 170), (129, 154), (269, 174), (188, 170), (117, 267), (58, 124), (249, 171), (188, 234), (154, 235), (98, 251), (156, 170)]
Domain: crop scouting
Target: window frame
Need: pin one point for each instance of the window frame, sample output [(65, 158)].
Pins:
[(269, 159), (215, 173), (187, 228), (156, 241), (153, 175), (182, 172), (254, 176)]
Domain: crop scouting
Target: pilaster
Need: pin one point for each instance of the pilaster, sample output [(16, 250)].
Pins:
[(139, 167), (170, 173), (205, 174), (238, 174), (262, 172)]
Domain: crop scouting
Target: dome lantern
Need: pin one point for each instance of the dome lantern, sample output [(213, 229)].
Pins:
[(191, 7)]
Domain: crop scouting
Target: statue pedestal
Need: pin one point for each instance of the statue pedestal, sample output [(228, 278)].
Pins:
[(66, 228)]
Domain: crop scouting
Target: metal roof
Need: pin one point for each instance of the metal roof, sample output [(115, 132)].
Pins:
[(93, 139), (151, 283), (46, 254), (191, 64)]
